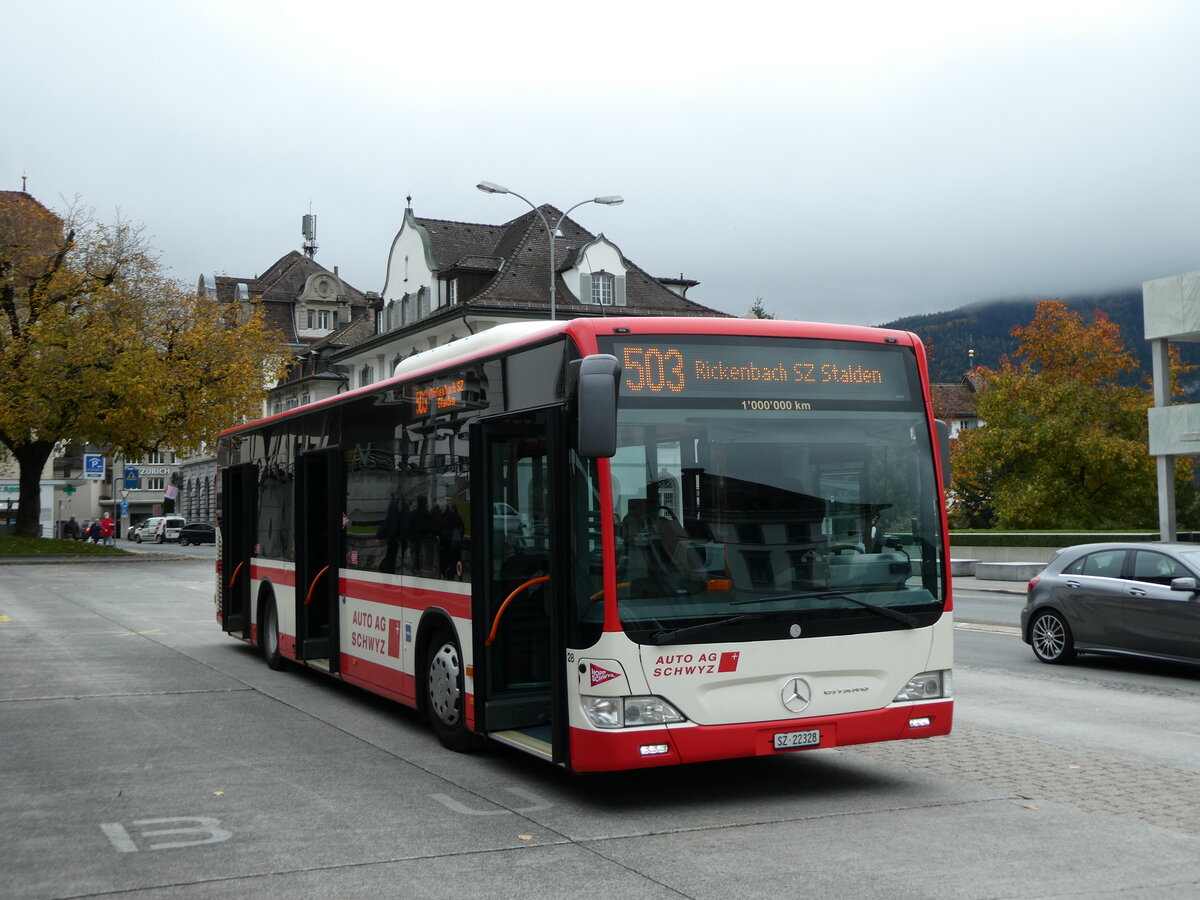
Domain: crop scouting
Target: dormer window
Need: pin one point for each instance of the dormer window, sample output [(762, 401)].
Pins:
[(597, 274), (322, 319), (602, 289)]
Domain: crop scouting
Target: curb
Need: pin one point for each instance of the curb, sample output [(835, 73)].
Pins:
[(53, 558)]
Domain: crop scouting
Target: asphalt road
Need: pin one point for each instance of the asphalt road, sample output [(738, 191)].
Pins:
[(144, 753)]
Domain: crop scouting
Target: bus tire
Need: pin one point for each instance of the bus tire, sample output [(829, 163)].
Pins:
[(270, 636), (444, 693)]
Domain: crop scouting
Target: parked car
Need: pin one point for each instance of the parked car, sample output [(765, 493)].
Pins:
[(506, 520), (160, 528), (132, 533), (197, 533), (1137, 599)]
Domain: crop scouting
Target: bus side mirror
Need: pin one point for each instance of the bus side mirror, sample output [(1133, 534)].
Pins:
[(943, 439), (599, 375)]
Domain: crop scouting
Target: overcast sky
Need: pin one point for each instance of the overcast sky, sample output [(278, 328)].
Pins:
[(848, 161)]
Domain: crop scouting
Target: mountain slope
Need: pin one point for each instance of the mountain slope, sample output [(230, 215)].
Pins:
[(984, 327)]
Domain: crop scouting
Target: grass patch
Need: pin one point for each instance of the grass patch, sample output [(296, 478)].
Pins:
[(12, 545)]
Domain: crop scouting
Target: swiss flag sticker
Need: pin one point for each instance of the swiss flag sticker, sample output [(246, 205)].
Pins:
[(393, 645), (601, 675), (728, 662)]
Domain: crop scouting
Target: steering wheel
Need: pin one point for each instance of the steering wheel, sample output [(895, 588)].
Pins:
[(839, 548)]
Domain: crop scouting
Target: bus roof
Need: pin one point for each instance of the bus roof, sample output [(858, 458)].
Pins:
[(513, 335)]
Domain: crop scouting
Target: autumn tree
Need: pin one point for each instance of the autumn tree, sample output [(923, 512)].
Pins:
[(98, 344), (1064, 445)]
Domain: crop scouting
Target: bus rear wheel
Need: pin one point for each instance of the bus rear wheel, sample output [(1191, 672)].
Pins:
[(444, 693), (270, 636)]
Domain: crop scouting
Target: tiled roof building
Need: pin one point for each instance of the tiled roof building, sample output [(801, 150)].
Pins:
[(317, 313), (955, 404), (448, 279), (292, 286)]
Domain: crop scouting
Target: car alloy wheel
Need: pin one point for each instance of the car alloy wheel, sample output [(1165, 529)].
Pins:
[(1050, 637)]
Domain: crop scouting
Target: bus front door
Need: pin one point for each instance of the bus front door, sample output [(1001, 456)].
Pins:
[(239, 491), (318, 556), (519, 684)]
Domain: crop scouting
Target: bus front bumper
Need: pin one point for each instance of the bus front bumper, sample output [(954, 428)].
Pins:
[(611, 751)]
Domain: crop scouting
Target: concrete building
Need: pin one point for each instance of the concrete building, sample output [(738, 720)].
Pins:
[(1171, 312)]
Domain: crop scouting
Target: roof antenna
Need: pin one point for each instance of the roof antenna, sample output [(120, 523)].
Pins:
[(23, 191), (308, 228)]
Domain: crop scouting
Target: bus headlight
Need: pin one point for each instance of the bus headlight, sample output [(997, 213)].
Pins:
[(926, 686), (630, 712)]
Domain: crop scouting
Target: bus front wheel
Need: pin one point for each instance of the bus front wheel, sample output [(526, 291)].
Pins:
[(444, 694)]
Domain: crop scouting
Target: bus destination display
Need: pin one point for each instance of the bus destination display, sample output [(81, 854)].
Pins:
[(795, 370), (441, 396)]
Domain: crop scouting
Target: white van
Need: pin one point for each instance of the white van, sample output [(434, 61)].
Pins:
[(160, 528)]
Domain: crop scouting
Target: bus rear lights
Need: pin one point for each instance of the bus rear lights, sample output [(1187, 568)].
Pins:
[(630, 712), (654, 749), (926, 686)]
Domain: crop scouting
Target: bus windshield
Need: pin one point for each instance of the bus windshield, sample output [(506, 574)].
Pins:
[(754, 508)]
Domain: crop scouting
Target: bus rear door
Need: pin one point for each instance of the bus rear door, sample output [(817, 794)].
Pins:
[(318, 555), (239, 490)]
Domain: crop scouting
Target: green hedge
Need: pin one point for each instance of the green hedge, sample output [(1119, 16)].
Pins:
[(1049, 538)]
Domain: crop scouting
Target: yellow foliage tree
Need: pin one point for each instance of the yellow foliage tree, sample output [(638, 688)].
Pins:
[(99, 344), (1065, 444)]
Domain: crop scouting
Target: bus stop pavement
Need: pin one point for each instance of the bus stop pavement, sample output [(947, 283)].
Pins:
[(145, 752)]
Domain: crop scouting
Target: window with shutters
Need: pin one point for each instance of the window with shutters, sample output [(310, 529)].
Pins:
[(602, 289)]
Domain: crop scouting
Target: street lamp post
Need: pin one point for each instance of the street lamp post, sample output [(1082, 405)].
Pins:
[(610, 200)]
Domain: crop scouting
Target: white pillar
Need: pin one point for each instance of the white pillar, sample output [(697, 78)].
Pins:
[(1160, 357)]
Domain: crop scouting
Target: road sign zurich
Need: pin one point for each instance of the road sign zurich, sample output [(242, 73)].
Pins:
[(93, 466)]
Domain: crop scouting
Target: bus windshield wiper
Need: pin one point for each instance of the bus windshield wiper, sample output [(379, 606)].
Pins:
[(666, 637), (887, 612)]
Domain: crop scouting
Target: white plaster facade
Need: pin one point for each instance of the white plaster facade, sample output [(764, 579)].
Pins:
[(409, 291)]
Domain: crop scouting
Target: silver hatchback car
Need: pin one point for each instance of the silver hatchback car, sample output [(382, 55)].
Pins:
[(1137, 599)]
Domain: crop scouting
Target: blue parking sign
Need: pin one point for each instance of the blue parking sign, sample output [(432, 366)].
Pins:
[(93, 466)]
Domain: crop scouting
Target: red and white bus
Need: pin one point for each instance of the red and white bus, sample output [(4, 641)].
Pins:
[(612, 542)]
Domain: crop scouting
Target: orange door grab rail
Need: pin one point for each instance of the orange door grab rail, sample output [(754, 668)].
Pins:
[(233, 577), (312, 587), (507, 600), (599, 595)]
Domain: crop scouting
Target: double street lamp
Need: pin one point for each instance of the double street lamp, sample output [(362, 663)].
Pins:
[(611, 200)]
